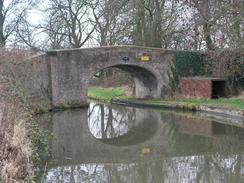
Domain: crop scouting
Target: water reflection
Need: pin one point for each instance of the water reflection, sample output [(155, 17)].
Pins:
[(121, 144), (107, 122), (121, 126)]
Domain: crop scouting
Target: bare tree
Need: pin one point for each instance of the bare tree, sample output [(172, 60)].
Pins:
[(110, 19), (56, 31), (154, 22), (220, 22), (69, 21), (232, 23), (25, 35), (177, 24), (204, 12), (11, 13)]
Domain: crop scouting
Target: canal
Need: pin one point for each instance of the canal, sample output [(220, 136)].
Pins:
[(119, 144)]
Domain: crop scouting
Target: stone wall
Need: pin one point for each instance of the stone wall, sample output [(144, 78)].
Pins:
[(32, 82)]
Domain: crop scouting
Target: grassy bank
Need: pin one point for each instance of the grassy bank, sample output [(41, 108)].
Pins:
[(237, 104), (106, 94)]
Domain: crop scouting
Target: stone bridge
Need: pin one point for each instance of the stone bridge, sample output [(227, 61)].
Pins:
[(60, 78)]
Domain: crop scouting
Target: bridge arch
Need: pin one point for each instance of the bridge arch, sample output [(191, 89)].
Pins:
[(146, 80), (60, 78)]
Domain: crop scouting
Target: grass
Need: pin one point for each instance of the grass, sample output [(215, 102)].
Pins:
[(106, 94), (226, 103)]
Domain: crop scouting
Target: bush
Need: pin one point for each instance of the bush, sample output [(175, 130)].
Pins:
[(230, 64)]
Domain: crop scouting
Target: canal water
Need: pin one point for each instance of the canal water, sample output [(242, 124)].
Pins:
[(119, 144)]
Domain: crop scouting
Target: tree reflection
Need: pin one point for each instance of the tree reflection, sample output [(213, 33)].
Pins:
[(214, 153), (106, 121), (180, 169)]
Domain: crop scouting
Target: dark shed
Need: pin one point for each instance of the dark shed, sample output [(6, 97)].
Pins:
[(202, 87)]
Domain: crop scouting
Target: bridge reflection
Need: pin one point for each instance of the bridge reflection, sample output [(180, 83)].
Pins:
[(122, 126), (109, 146)]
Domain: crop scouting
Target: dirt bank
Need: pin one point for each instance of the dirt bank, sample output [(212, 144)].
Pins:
[(15, 145)]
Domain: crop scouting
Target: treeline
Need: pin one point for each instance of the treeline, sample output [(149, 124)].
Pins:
[(172, 24), (213, 26)]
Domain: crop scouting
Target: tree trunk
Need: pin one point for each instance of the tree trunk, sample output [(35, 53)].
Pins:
[(237, 30), (140, 27), (207, 36), (102, 121), (157, 27), (204, 9), (2, 38)]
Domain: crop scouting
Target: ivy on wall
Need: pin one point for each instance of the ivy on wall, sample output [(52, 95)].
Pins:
[(221, 63), (187, 64)]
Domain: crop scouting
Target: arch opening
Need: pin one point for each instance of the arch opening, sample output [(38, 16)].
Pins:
[(145, 82)]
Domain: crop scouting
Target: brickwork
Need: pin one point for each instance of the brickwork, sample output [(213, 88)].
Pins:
[(199, 88)]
